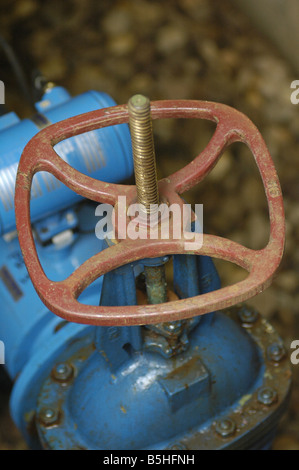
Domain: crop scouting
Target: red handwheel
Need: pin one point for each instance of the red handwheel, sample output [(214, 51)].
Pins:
[(61, 297)]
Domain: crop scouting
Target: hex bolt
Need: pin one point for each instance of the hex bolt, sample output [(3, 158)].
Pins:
[(275, 352), (225, 427), (177, 446), (248, 314), (63, 372), (168, 352), (173, 327), (48, 416), (70, 217), (267, 396)]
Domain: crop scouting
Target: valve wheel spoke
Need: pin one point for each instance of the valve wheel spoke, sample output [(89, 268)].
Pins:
[(39, 155)]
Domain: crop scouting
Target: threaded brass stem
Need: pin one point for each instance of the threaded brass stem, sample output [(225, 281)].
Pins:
[(146, 182), (143, 151)]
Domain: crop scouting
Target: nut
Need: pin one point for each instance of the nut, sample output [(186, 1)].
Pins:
[(63, 372), (276, 352), (267, 396), (225, 427), (48, 416)]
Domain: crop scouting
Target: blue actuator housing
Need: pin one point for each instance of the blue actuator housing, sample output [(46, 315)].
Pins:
[(103, 154)]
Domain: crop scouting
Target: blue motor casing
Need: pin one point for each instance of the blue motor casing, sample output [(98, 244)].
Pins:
[(104, 154)]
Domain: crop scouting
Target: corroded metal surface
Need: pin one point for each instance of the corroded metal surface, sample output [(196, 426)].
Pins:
[(257, 414), (247, 422), (156, 285), (60, 297)]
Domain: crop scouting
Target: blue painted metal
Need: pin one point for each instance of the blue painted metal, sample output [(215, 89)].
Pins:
[(146, 403), (123, 397), (32, 335), (103, 154), (45, 339), (23, 316)]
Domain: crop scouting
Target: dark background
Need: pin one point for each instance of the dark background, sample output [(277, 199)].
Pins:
[(199, 49)]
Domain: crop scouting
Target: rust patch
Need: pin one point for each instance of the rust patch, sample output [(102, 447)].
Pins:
[(184, 370)]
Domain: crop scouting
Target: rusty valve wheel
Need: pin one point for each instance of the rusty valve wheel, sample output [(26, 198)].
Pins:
[(61, 297)]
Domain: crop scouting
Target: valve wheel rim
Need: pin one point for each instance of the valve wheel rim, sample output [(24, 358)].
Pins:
[(61, 297)]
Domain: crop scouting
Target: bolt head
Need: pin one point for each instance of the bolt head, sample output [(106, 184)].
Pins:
[(48, 416), (173, 327), (225, 427), (248, 315), (267, 396), (70, 217), (63, 372), (177, 446), (275, 352)]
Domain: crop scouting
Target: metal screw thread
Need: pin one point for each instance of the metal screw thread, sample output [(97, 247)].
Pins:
[(146, 182), (143, 151)]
